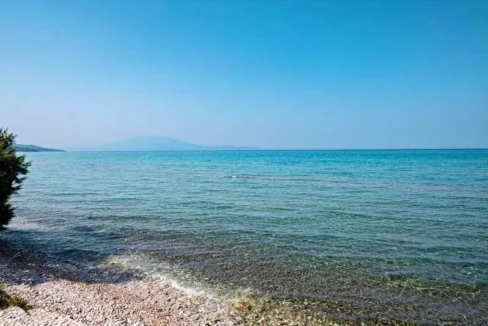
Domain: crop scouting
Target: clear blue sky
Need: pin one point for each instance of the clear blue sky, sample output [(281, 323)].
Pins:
[(274, 74)]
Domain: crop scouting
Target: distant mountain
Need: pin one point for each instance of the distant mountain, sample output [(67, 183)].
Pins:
[(159, 143), (33, 148)]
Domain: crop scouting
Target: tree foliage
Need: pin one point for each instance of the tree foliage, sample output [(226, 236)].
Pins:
[(13, 170)]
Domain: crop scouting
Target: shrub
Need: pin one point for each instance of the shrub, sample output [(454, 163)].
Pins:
[(8, 301), (13, 169)]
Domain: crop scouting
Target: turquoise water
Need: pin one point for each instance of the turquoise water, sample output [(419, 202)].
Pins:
[(357, 226)]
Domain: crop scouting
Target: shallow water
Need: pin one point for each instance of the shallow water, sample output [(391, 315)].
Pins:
[(321, 225)]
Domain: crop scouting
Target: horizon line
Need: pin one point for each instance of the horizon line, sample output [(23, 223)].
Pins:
[(285, 149)]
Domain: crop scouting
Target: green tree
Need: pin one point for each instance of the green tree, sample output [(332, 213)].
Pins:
[(13, 169)]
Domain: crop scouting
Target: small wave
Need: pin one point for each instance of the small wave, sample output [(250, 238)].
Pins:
[(176, 278), (26, 226), (158, 270), (276, 178)]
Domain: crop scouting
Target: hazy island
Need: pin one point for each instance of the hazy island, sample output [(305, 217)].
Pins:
[(157, 143)]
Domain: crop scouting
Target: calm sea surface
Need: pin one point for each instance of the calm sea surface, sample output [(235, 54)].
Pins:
[(356, 226)]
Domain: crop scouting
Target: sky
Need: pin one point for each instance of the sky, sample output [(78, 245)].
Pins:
[(273, 74)]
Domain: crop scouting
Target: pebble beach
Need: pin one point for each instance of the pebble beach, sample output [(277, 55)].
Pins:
[(61, 295)]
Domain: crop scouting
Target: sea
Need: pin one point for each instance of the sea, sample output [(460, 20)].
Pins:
[(391, 234)]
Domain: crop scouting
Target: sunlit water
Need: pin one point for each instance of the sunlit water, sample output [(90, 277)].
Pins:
[(320, 225)]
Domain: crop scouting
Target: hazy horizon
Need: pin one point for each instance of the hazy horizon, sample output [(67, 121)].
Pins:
[(273, 75), (100, 147)]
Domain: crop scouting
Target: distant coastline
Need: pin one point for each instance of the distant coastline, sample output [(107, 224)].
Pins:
[(34, 148)]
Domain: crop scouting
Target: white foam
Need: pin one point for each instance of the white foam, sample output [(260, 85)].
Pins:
[(19, 225), (156, 270), (185, 289)]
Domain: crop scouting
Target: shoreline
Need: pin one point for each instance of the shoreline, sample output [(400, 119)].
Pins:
[(63, 293)]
